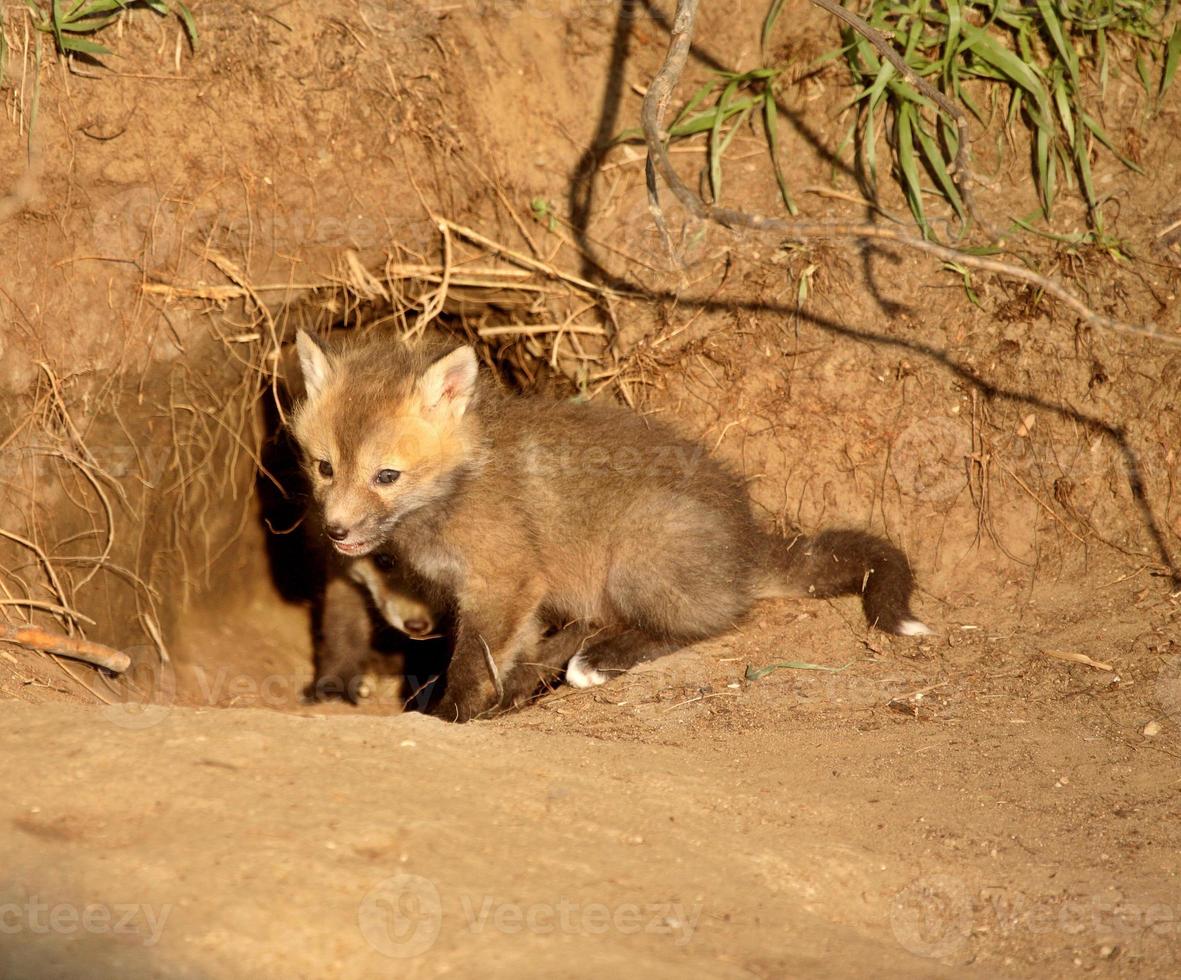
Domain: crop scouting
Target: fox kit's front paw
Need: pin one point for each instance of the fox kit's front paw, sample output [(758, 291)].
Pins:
[(353, 688), (461, 706), (455, 709)]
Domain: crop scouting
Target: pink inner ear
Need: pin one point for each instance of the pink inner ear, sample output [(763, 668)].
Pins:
[(453, 382)]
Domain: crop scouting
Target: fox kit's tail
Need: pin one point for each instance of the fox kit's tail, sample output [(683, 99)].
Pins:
[(845, 562)]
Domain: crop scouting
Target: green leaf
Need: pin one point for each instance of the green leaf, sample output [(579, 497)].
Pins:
[(1065, 113), (1103, 138), (758, 673), (1142, 71), (1065, 49), (715, 141), (938, 167), (769, 25), (1172, 53), (694, 101), (94, 8), (88, 25), (904, 127), (1046, 165), (1009, 65), (771, 123), (79, 44), (966, 276)]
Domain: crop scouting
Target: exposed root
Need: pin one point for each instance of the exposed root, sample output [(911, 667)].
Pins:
[(34, 638)]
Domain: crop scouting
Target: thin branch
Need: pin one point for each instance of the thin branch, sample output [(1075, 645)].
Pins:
[(655, 107)]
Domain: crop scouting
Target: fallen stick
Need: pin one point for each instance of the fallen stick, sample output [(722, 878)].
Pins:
[(35, 638)]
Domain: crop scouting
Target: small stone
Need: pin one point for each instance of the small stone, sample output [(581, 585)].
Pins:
[(1152, 729), (407, 743)]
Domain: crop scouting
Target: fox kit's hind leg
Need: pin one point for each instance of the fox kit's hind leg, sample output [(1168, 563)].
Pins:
[(608, 656), (544, 667), (676, 577)]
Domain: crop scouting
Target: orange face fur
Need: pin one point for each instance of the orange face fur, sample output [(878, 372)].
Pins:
[(383, 433)]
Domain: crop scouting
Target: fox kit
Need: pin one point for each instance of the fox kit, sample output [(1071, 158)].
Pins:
[(529, 512), (361, 594)]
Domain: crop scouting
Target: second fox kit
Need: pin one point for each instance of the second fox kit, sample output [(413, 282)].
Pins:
[(531, 512), (346, 661)]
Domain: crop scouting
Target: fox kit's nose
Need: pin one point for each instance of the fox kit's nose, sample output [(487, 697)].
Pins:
[(337, 532), (417, 627)]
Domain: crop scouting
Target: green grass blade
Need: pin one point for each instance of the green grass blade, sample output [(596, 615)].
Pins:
[(955, 19), (55, 26), (80, 45), (1093, 125), (1172, 54), (1044, 158), (93, 9), (715, 141), (1065, 49), (739, 122), (1082, 160), (769, 25), (190, 22), (771, 124), (938, 166), (1009, 65), (88, 25), (694, 101), (904, 136), (1142, 71), (758, 673), (1065, 112)]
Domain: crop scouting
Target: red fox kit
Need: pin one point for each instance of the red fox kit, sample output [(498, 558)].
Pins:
[(530, 513)]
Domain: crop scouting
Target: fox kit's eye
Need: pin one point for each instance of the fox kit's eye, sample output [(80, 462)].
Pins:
[(325, 468), (387, 476), (384, 562)]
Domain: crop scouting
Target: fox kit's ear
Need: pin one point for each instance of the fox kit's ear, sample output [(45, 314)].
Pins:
[(314, 363), (451, 380)]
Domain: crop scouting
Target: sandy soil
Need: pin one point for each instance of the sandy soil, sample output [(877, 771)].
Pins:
[(965, 804)]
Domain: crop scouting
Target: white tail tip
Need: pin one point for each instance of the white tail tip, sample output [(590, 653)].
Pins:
[(578, 674), (912, 627)]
